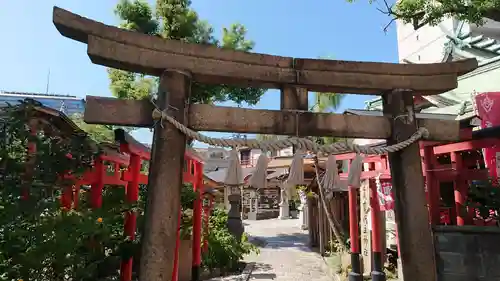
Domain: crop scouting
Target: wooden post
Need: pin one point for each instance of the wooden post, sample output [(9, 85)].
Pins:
[(366, 242), (415, 236), (197, 221), (432, 186), (165, 181), (293, 98), (131, 217), (459, 188), (320, 229), (377, 246)]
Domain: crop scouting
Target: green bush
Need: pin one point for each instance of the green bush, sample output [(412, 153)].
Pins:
[(224, 250), (40, 241)]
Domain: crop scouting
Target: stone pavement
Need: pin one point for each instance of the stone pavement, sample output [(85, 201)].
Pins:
[(286, 255)]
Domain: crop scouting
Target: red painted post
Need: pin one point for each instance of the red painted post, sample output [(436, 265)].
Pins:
[(432, 189), (76, 195), (175, 271), (132, 193), (98, 185), (207, 222), (377, 251), (458, 188), (197, 220), (67, 197), (355, 274)]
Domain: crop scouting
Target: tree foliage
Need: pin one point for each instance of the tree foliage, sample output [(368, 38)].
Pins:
[(98, 133), (484, 196), (423, 12), (175, 19), (323, 102), (326, 102), (40, 240)]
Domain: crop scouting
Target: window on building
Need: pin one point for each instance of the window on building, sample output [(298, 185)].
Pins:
[(245, 157)]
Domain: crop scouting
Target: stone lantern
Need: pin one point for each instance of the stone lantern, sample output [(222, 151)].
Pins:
[(234, 222), (253, 203)]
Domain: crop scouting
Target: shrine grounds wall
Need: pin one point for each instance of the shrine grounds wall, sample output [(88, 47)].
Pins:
[(467, 253)]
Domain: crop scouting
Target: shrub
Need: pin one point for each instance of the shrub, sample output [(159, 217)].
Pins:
[(224, 250), (41, 241)]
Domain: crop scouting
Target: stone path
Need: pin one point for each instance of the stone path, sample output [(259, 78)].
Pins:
[(286, 255)]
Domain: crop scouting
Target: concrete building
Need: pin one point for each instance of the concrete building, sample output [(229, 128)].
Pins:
[(448, 41)]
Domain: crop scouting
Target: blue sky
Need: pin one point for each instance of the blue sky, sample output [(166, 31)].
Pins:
[(30, 45)]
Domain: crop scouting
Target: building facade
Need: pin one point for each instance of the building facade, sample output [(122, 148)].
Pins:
[(69, 105), (448, 41)]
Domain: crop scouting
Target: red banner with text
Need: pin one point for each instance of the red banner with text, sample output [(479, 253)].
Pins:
[(488, 110), (385, 196)]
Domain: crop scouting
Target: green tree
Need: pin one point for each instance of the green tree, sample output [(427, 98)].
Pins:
[(323, 102), (175, 19), (98, 133), (326, 102), (423, 12)]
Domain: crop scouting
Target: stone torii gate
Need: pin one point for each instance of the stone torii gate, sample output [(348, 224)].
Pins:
[(178, 64)]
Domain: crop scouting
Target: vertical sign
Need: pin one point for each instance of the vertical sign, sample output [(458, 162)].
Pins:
[(366, 245)]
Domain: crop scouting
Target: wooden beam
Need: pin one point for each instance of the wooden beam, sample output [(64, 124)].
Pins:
[(128, 57), (79, 28), (203, 117), (132, 58), (466, 145), (133, 51), (165, 182), (457, 67), (412, 219)]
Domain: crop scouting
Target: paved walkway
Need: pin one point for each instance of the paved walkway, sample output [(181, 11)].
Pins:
[(286, 255)]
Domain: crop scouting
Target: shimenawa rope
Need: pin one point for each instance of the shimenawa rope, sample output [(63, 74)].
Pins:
[(300, 143)]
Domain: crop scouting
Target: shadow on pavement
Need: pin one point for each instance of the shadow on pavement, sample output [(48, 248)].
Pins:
[(299, 241), (262, 271)]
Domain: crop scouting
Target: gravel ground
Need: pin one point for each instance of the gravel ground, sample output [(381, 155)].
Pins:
[(285, 255)]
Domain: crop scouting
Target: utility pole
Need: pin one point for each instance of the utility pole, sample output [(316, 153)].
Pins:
[(48, 83)]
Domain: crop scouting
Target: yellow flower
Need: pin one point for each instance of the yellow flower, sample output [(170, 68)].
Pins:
[(99, 220)]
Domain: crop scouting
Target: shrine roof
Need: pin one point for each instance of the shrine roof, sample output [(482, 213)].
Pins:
[(220, 175), (440, 116)]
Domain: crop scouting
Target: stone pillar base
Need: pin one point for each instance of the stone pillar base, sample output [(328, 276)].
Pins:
[(400, 270), (284, 211)]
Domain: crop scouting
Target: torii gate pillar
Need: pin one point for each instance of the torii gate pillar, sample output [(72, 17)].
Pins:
[(165, 180), (414, 231)]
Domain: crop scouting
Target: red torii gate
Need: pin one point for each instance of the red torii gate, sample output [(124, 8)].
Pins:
[(456, 172), (130, 155), (193, 173)]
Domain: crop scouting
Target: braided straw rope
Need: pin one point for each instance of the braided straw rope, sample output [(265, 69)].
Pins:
[(300, 143)]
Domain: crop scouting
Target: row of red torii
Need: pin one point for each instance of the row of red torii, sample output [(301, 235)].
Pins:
[(125, 170), (462, 157)]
